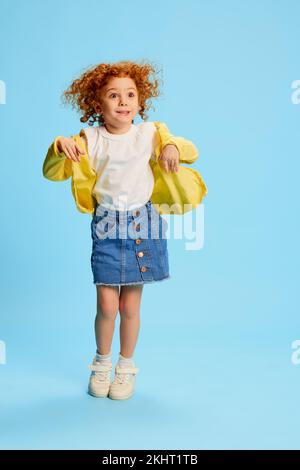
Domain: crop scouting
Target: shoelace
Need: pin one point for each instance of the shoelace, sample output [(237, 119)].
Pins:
[(121, 378), (100, 375), (125, 376)]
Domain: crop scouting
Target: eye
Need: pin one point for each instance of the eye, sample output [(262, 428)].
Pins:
[(115, 94)]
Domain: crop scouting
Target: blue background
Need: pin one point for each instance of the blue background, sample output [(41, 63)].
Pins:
[(214, 349)]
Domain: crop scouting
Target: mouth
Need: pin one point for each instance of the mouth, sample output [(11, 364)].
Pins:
[(123, 113)]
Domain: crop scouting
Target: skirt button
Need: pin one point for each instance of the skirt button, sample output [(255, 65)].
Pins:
[(140, 254), (143, 269), (138, 241)]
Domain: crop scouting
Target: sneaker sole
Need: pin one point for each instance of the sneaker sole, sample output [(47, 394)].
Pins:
[(97, 396), (125, 397)]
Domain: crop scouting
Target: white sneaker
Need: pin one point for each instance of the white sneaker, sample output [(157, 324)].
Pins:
[(100, 378), (122, 386)]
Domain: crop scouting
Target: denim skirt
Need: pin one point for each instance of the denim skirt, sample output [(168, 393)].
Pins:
[(129, 247)]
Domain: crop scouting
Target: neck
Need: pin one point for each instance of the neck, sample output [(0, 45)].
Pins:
[(117, 130)]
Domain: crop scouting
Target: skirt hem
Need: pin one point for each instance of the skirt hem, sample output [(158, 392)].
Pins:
[(130, 283)]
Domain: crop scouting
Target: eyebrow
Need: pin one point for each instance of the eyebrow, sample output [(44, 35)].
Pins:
[(131, 88)]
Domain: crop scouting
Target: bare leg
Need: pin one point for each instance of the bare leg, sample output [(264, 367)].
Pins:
[(107, 309), (129, 306)]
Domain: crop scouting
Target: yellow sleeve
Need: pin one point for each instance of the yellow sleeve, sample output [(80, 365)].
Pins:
[(56, 167), (188, 152)]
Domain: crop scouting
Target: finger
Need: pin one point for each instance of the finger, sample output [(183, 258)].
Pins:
[(166, 166), (79, 149), (72, 149), (75, 152), (65, 151), (68, 153)]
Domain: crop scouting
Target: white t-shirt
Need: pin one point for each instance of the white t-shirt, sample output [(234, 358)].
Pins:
[(124, 177)]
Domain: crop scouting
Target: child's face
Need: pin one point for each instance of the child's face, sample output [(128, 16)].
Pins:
[(120, 94)]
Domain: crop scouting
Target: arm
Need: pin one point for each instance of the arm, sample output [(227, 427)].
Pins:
[(188, 152)]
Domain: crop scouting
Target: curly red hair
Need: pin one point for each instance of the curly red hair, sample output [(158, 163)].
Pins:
[(84, 92)]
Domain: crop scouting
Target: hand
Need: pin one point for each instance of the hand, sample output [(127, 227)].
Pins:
[(70, 148), (170, 158)]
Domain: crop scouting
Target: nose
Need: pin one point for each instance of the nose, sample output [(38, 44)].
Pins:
[(123, 100)]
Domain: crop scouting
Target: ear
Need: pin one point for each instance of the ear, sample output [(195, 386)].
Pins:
[(97, 108)]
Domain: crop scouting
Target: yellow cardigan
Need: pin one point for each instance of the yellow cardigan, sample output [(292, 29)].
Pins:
[(173, 193)]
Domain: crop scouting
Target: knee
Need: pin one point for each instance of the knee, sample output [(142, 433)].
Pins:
[(107, 309), (127, 310)]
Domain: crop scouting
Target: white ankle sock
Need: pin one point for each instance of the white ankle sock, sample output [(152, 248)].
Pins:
[(104, 357), (125, 361)]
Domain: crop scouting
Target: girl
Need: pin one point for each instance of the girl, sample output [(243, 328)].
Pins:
[(125, 176)]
